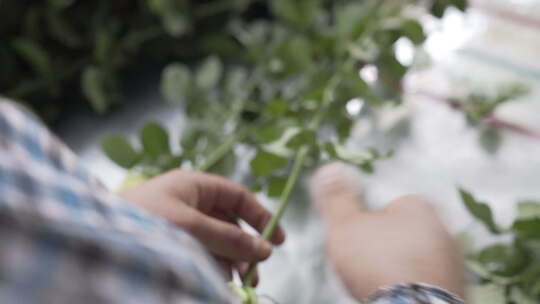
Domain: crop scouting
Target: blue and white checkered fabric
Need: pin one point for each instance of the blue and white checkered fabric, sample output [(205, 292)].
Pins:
[(412, 294), (65, 239)]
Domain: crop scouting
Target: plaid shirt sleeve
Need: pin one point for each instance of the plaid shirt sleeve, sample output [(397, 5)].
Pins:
[(66, 239), (412, 294)]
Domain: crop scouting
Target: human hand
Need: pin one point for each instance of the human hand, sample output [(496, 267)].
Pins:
[(206, 206), (403, 243)]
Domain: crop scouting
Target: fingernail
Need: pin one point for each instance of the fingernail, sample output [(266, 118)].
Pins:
[(262, 247)]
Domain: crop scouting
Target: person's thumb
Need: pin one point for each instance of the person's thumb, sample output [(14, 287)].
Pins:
[(335, 192)]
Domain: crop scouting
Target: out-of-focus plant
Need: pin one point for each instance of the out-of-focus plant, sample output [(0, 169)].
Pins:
[(509, 271), (479, 110), (57, 54), (285, 99)]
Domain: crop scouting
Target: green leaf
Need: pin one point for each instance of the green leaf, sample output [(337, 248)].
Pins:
[(461, 4), (351, 20), (303, 138), (480, 271), (277, 107), (330, 148), (225, 166), (511, 92), (389, 64), (268, 134), (344, 128), (191, 136), (528, 209), (104, 45), (264, 163), (309, 11), (358, 87), (414, 31), (529, 228), (503, 260), (33, 53), (235, 81), (530, 283), (62, 31), (94, 89), (285, 10), (175, 23), (120, 151), (298, 13), (296, 54), (155, 140), (363, 159), (176, 83), (209, 73), (490, 139), (256, 187), (276, 186), (367, 167), (479, 210), (174, 162), (438, 8)]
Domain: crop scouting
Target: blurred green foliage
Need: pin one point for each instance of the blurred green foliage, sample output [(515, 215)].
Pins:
[(287, 88), (479, 108), (56, 55), (507, 271), (282, 99)]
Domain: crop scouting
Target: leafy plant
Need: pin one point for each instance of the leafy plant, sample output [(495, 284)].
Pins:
[(284, 101), (56, 54), (508, 272), (479, 109)]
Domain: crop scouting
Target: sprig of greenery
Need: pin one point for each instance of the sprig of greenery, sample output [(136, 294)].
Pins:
[(479, 110), (511, 267), (285, 100)]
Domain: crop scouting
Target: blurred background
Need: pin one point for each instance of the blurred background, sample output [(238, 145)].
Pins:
[(492, 44)]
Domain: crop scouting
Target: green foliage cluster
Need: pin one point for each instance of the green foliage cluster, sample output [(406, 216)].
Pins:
[(508, 272), (477, 107), (283, 101), (59, 54), (289, 92)]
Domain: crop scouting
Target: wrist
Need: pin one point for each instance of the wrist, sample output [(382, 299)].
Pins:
[(416, 293)]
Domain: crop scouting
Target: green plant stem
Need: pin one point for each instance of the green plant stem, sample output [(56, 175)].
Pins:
[(236, 137), (287, 191), (298, 164), (223, 150)]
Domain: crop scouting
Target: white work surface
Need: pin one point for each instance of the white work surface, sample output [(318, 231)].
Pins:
[(478, 51)]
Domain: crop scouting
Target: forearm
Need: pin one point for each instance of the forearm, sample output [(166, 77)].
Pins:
[(67, 239)]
